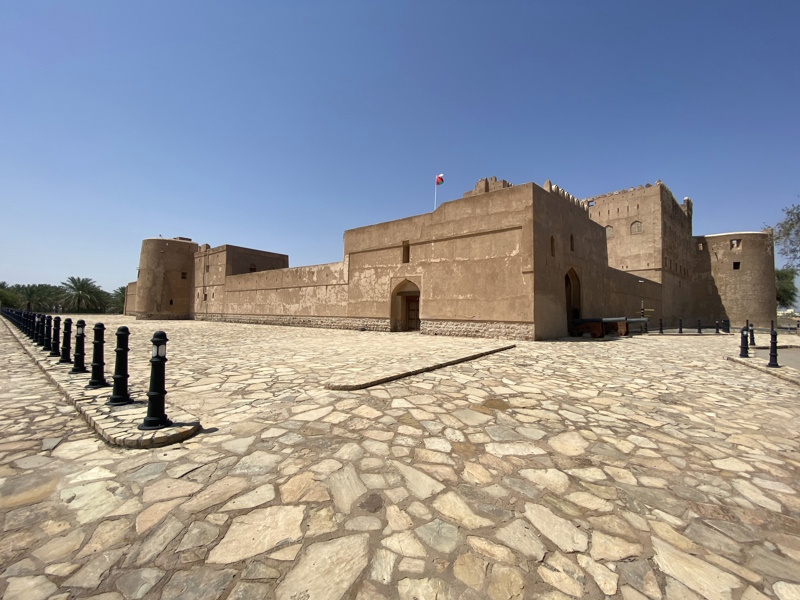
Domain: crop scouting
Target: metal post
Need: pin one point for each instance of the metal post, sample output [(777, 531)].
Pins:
[(773, 349), (40, 332), (79, 366), (680, 325), (772, 325), (98, 379), (752, 336), (65, 345), (661, 326), (699, 328), (716, 327), (156, 415), (48, 333), (119, 394), (56, 336), (743, 344), (645, 327)]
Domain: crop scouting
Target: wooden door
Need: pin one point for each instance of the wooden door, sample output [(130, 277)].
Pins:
[(412, 313)]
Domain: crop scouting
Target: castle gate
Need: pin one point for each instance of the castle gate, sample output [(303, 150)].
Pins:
[(572, 289), (405, 307)]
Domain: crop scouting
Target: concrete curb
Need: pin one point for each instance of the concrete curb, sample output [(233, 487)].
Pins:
[(786, 373), (115, 425), (352, 383)]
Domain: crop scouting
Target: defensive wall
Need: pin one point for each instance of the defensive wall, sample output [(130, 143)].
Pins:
[(504, 261)]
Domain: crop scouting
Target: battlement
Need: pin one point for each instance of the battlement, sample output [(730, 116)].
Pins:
[(487, 184), (554, 189)]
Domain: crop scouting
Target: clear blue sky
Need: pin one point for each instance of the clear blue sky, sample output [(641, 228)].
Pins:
[(279, 125)]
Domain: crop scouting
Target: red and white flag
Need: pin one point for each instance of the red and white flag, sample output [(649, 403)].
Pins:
[(440, 179)]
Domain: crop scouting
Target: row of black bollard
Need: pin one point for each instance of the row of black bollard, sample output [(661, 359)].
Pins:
[(45, 332), (724, 326), (748, 340)]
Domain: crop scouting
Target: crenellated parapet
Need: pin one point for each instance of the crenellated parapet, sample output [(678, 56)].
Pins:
[(554, 189), (487, 184)]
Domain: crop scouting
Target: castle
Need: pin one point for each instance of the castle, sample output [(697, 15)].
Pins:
[(518, 261)]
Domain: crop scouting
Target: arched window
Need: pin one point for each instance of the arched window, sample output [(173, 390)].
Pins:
[(636, 227), (252, 267), (609, 231), (571, 243), (552, 246)]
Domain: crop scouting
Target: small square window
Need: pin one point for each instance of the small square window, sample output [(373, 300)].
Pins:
[(205, 297), (736, 266), (700, 246), (183, 274), (736, 244)]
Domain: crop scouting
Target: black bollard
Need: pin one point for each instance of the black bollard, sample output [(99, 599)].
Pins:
[(772, 325), (40, 332), (48, 333), (743, 345), (79, 366), (661, 326), (699, 328), (752, 336), (680, 325), (54, 351), (716, 327), (97, 379), (156, 415), (773, 349), (119, 395), (65, 345), (645, 327)]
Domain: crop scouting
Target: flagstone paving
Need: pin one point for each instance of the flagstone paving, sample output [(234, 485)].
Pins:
[(632, 468)]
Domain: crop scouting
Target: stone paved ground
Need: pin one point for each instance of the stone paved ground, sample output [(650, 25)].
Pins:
[(634, 468)]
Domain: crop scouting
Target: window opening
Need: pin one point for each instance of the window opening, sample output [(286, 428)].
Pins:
[(552, 246), (183, 274), (252, 267), (609, 231), (736, 266), (406, 252), (636, 227)]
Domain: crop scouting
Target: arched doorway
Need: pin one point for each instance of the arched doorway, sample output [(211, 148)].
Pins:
[(405, 307), (572, 289)]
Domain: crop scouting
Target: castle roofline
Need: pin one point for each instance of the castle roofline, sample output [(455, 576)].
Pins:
[(729, 233), (175, 239)]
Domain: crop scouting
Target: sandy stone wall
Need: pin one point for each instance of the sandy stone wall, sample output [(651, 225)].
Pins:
[(483, 329), (472, 258), (302, 321), (166, 279), (722, 291), (130, 299), (565, 238)]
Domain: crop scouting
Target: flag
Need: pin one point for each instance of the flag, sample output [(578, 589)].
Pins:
[(440, 179)]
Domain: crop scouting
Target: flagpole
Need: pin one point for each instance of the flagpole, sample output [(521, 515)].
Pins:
[(435, 186)]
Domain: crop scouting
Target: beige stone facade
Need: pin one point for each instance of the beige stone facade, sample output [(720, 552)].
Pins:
[(517, 261)]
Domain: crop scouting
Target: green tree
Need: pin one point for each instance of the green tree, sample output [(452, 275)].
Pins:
[(787, 236), (8, 297), (786, 288), (36, 296), (116, 302), (82, 293)]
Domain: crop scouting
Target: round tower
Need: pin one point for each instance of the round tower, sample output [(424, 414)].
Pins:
[(165, 283)]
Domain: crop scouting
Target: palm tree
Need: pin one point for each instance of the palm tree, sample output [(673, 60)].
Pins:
[(36, 296), (116, 303), (81, 293)]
